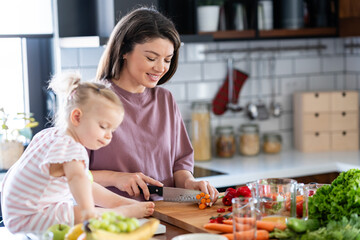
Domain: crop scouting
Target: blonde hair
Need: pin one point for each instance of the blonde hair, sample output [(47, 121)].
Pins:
[(73, 93)]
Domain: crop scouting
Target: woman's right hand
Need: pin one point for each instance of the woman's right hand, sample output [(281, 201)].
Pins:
[(131, 182)]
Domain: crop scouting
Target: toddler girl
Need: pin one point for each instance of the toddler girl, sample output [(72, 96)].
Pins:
[(40, 188)]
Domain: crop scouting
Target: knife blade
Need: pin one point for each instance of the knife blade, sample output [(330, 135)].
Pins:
[(172, 194)]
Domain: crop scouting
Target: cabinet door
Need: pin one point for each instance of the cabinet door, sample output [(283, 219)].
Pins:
[(341, 121), (316, 122), (316, 142), (345, 141), (344, 101), (316, 102), (349, 8)]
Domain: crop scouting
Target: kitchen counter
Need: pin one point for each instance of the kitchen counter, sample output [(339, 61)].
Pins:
[(223, 172), (287, 164)]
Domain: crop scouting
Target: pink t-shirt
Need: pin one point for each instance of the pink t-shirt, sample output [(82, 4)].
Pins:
[(32, 199), (152, 139)]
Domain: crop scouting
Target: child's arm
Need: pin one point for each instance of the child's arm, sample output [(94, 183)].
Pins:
[(107, 199), (80, 187)]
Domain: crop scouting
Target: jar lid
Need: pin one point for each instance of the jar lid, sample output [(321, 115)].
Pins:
[(272, 137), (224, 129), (249, 127)]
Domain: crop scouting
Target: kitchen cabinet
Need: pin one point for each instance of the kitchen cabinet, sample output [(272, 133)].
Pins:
[(326, 121), (349, 18)]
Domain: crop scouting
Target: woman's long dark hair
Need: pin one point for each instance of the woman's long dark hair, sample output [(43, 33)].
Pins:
[(137, 27)]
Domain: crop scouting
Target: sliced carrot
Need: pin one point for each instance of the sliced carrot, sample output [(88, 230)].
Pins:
[(248, 235), (202, 194), (198, 196), (268, 226), (224, 228), (207, 196), (203, 200)]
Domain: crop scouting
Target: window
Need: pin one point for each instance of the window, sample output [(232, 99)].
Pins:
[(12, 97)]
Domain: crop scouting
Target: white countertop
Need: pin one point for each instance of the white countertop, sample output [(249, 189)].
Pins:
[(287, 164)]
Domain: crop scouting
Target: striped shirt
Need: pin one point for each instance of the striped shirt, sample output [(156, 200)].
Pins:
[(30, 192)]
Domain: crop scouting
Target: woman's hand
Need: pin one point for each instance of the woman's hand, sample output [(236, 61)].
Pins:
[(131, 182), (203, 186)]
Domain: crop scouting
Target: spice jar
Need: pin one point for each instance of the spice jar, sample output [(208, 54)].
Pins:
[(272, 143), (249, 140), (201, 131), (225, 141)]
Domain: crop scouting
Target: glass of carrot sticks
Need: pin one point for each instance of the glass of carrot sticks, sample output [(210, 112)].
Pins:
[(244, 218)]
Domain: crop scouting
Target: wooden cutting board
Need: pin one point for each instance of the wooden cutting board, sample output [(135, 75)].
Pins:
[(187, 216)]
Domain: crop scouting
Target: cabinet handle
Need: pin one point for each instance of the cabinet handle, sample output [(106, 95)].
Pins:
[(316, 114), (344, 94), (317, 134), (344, 133), (343, 114), (316, 95)]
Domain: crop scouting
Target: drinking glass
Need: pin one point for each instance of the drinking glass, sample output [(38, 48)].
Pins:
[(244, 218)]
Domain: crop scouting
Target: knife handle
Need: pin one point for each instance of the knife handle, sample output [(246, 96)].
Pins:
[(153, 190)]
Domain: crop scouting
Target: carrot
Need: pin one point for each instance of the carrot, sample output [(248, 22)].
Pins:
[(248, 235), (228, 221), (224, 228), (265, 225), (247, 220), (281, 226)]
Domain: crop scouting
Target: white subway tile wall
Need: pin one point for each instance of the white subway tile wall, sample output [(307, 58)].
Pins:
[(200, 75)]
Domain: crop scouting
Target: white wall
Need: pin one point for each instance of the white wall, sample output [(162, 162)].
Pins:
[(200, 75)]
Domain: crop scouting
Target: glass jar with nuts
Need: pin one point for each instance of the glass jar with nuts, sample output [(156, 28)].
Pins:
[(225, 142), (249, 140), (272, 143)]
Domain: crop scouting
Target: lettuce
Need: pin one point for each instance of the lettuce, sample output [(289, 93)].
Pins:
[(339, 199)]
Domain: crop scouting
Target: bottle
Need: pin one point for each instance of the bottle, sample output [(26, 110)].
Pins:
[(272, 143), (201, 131), (249, 140), (225, 141)]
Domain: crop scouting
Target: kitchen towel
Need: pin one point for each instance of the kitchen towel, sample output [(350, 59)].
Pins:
[(222, 97)]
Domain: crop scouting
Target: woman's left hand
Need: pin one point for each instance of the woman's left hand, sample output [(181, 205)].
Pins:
[(203, 186)]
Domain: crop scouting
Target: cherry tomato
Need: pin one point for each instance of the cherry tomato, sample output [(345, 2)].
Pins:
[(220, 210), (299, 209), (212, 220), (230, 209), (220, 219)]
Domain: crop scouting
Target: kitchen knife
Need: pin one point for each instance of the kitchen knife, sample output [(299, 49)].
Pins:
[(171, 194)]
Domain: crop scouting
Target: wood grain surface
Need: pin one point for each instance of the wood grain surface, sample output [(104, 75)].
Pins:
[(187, 216)]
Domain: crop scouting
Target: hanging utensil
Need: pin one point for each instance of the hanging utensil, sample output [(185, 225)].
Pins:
[(232, 104), (251, 108), (263, 112), (275, 108)]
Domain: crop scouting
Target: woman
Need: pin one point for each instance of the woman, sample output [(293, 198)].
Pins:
[(151, 146)]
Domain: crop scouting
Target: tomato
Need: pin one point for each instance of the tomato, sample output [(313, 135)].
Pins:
[(230, 209), (227, 200), (220, 210), (243, 191), (299, 208)]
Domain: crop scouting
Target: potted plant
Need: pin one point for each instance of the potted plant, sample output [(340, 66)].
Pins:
[(15, 131), (208, 12)]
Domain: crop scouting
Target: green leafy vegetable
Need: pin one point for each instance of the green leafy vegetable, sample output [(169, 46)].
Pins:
[(338, 200)]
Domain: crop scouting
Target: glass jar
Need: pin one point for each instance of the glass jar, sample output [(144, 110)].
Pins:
[(272, 143), (225, 141), (201, 131), (249, 140)]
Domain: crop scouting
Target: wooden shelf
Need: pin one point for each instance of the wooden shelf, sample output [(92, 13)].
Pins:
[(231, 34), (304, 32)]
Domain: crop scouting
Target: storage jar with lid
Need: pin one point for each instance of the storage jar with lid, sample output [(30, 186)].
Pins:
[(225, 141), (201, 131), (249, 140), (272, 143)]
